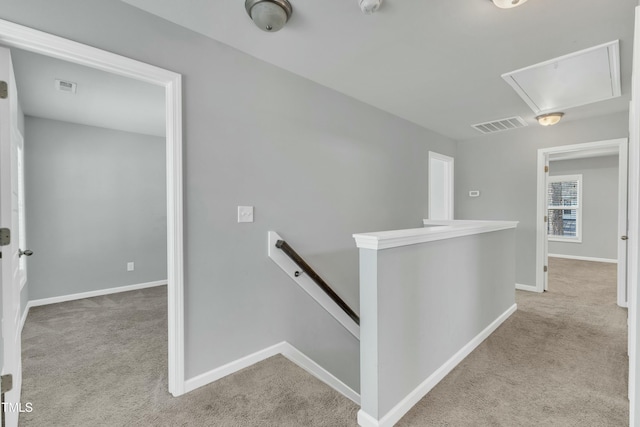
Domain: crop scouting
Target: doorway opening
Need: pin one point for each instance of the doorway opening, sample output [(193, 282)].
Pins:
[(548, 217), (440, 186), (17, 36)]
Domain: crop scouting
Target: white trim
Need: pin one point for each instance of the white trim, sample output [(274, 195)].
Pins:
[(232, 367), (613, 51), (309, 286), (529, 288), (398, 411), (584, 258), (448, 184), (541, 225), (366, 420), (24, 317), (91, 294), (634, 227), (14, 35), (623, 225), (567, 152), (303, 361), (584, 154), (561, 239), (395, 238), (288, 351), (607, 147)]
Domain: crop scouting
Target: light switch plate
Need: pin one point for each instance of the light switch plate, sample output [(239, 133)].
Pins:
[(245, 213), (474, 193)]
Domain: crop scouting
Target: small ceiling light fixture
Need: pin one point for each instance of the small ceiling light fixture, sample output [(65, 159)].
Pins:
[(507, 4), (549, 119), (269, 15), (369, 6)]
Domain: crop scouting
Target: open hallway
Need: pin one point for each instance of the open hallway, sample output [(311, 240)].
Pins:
[(559, 360)]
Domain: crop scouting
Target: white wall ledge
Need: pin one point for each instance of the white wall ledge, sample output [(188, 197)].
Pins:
[(434, 230)]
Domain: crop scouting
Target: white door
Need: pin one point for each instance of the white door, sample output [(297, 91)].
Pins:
[(440, 186), (545, 246), (9, 218), (623, 178)]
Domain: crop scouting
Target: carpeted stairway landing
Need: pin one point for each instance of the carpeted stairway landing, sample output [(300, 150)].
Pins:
[(103, 362), (560, 360)]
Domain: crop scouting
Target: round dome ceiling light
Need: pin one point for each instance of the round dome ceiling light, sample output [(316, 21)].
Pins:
[(269, 15), (507, 4), (369, 6), (549, 119)]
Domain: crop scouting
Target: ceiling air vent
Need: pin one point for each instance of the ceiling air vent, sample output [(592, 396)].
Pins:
[(65, 86), (500, 125)]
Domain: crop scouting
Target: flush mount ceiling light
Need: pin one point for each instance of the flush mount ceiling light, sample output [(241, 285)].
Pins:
[(269, 15), (507, 4), (549, 119), (369, 6)]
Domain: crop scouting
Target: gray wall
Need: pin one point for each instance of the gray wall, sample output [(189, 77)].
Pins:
[(599, 207), (95, 200), (503, 167), (424, 303), (318, 166)]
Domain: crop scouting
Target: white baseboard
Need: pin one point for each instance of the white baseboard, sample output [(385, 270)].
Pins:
[(584, 258), (398, 411), (529, 288), (231, 367), (288, 351), (82, 295), (366, 420), (300, 359)]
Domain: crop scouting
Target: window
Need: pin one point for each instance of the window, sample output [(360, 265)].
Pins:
[(564, 208)]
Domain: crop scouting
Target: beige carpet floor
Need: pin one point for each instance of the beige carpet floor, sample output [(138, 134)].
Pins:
[(560, 360)]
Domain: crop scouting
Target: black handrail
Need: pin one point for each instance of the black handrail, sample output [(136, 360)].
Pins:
[(284, 246)]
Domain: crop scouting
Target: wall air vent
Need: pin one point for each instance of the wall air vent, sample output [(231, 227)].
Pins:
[(65, 86), (500, 125)]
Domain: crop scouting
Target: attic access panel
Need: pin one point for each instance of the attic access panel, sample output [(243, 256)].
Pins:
[(579, 78)]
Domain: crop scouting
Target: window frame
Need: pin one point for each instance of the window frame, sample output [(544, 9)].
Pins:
[(577, 208)]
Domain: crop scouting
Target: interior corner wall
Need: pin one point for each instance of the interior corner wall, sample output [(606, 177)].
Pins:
[(317, 166), (599, 207), (503, 167), (95, 200)]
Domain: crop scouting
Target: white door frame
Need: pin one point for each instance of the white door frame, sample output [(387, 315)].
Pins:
[(10, 214), (18, 36), (634, 227), (577, 151), (448, 185)]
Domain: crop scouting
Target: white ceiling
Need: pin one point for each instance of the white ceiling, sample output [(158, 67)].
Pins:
[(436, 63), (102, 99)]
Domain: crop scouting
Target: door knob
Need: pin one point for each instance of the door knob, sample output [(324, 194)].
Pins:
[(624, 237), (25, 253)]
